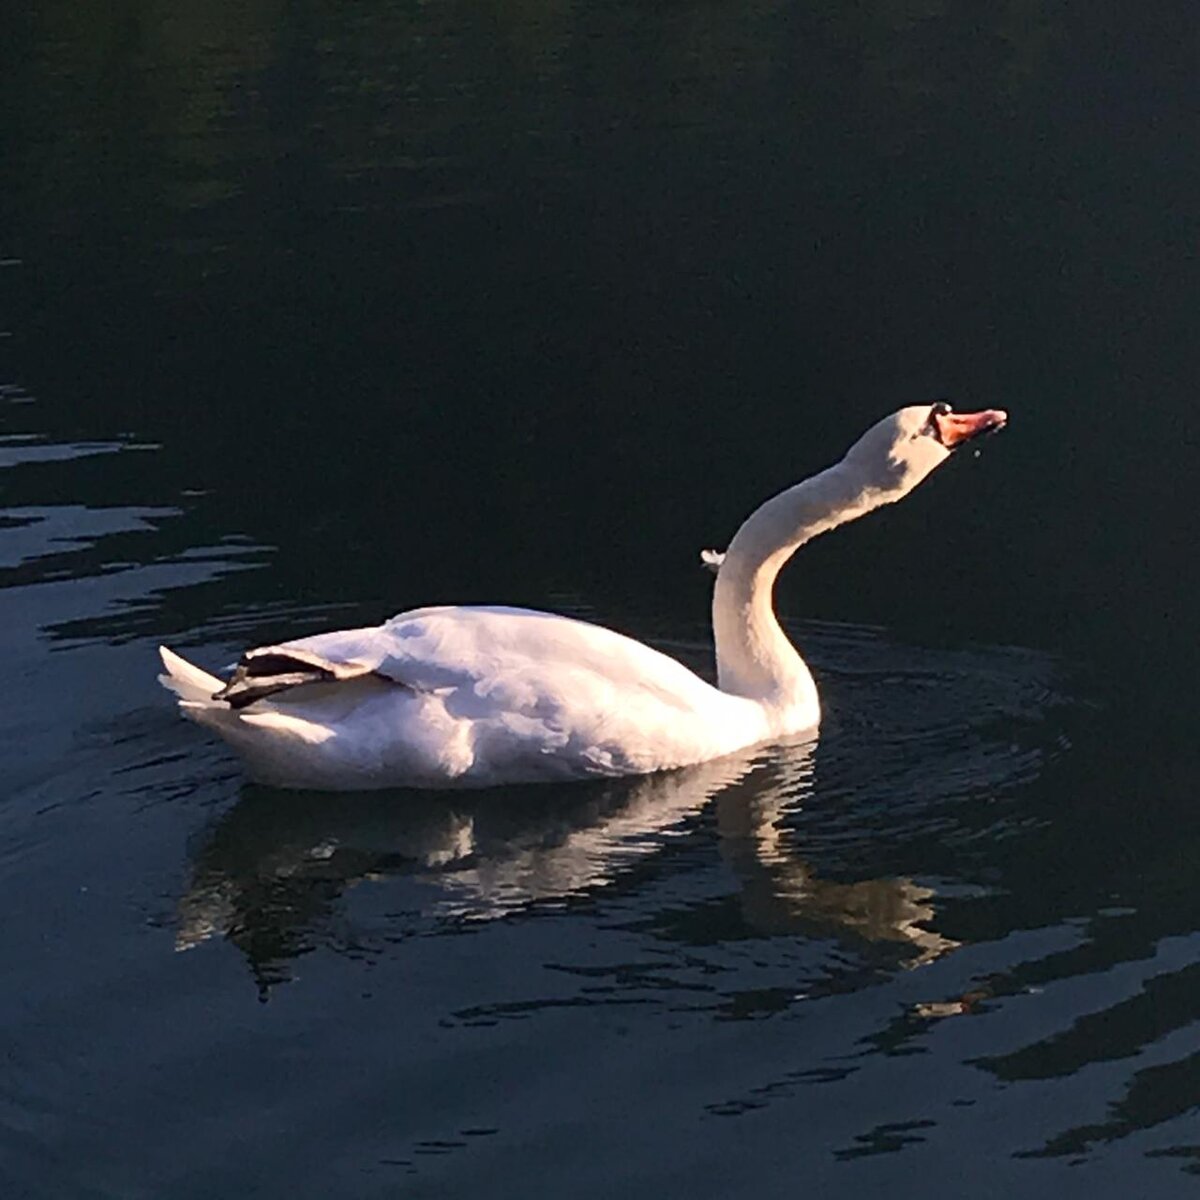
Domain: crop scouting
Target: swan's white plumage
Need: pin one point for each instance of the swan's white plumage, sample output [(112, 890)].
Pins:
[(473, 696)]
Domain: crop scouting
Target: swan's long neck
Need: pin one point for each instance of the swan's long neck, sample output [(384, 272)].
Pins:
[(754, 657)]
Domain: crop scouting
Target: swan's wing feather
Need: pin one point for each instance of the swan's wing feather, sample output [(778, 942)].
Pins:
[(266, 670), (529, 656), (518, 660)]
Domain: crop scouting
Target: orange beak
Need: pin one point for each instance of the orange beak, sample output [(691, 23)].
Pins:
[(956, 428)]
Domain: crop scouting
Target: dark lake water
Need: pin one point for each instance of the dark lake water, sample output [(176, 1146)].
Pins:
[(313, 312)]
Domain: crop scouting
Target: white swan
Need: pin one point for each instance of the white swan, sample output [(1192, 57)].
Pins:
[(475, 696)]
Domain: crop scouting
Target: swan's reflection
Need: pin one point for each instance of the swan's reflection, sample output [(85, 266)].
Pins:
[(780, 893), (274, 866)]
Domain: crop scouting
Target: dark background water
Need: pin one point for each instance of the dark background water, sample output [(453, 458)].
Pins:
[(312, 312)]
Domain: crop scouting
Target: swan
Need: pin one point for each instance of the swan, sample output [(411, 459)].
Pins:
[(474, 696)]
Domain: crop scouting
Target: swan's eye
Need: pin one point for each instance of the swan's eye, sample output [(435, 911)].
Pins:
[(931, 427)]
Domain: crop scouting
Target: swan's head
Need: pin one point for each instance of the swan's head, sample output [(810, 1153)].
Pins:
[(895, 454)]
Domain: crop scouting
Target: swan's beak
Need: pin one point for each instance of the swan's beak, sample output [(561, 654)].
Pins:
[(956, 428)]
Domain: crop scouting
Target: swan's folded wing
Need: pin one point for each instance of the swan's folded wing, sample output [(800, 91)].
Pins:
[(521, 659)]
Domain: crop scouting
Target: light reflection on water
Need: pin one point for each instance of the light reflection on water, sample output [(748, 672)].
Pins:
[(496, 856)]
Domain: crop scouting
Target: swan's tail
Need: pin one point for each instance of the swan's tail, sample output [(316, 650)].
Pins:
[(189, 683), (197, 691), (264, 739), (261, 673), (287, 744)]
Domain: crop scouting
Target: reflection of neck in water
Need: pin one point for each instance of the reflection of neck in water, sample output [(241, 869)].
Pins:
[(275, 864), (780, 893)]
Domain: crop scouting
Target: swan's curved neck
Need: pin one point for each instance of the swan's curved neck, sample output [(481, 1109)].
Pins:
[(754, 657)]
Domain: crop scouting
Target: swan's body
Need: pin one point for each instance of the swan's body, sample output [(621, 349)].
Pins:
[(474, 696), (483, 695)]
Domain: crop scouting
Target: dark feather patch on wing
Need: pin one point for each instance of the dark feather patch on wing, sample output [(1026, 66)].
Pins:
[(268, 670)]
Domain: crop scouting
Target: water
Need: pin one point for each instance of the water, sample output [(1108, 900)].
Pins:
[(314, 313)]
